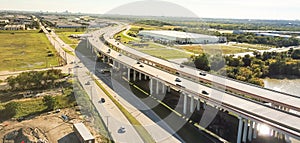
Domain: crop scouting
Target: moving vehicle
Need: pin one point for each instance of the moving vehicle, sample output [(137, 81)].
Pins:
[(177, 80), (122, 130)]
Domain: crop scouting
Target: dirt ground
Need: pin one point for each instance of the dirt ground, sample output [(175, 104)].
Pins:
[(50, 125)]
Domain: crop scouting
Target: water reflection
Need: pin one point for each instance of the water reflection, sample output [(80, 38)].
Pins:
[(291, 86)]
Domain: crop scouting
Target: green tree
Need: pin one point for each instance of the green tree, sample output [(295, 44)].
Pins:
[(246, 60), (50, 102), (296, 54), (201, 62), (11, 108)]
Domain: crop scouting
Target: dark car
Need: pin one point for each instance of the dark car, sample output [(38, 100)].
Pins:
[(141, 66), (204, 92), (202, 73), (20, 119), (137, 62), (177, 80), (102, 100)]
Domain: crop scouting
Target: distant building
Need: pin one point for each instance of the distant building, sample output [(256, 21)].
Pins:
[(14, 27), (80, 35), (83, 134), (4, 21), (167, 36), (273, 35), (69, 25)]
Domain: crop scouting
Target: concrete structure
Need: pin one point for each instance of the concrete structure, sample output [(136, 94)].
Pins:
[(246, 109), (4, 21), (278, 99), (83, 133), (14, 27), (178, 37), (67, 24)]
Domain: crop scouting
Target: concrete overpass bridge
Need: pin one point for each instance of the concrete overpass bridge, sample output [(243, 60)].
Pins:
[(250, 112), (279, 100)]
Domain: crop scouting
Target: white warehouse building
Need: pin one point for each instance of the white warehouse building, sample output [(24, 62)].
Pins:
[(179, 37)]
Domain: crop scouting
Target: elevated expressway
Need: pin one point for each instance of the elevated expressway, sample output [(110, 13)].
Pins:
[(282, 101), (250, 112)]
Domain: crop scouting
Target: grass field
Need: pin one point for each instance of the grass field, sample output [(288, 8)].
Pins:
[(253, 46), (166, 53), (153, 49), (69, 52), (24, 50), (31, 106), (213, 49), (70, 41)]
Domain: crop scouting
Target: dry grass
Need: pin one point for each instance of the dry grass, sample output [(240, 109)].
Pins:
[(24, 50)]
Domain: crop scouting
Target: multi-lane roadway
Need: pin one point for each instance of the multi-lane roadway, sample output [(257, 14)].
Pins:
[(252, 110)]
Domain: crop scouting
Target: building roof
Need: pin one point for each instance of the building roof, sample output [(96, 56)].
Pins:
[(176, 34), (83, 131)]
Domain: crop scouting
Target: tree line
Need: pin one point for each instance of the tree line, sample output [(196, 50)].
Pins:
[(35, 80), (250, 69), (266, 40)]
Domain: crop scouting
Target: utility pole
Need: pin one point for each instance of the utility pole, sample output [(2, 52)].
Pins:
[(91, 93), (107, 122)]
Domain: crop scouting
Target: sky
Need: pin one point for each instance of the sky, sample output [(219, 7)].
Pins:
[(242, 9)]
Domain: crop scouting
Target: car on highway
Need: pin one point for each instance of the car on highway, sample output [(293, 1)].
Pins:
[(177, 80), (141, 66), (87, 83), (137, 62), (202, 73), (102, 100), (108, 51), (103, 71), (204, 92), (122, 130)]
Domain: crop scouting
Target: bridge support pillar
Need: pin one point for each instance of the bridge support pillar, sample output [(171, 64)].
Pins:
[(250, 131), (168, 88), (255, 130), (108, 60), (128, 74), (245, 131), (119, 65), (114, 64), (151, 86), (239, 136), (192, 104), (103, 58), (163, 90), (157, 87), (198, 105), (145, 77), (184, 102), (140, 76), (134, 75), (287, 138), (204, 105)]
